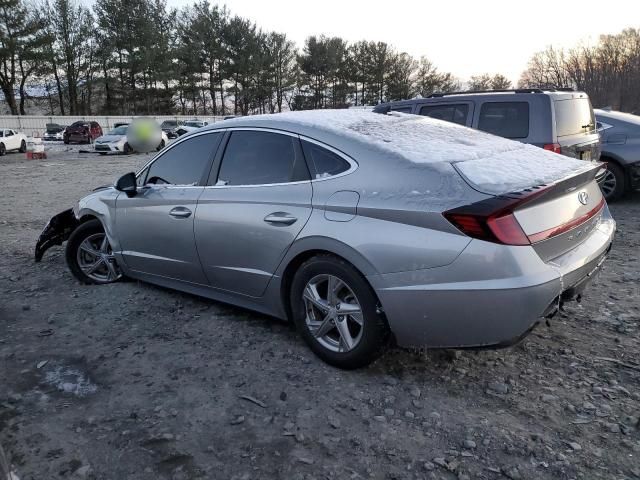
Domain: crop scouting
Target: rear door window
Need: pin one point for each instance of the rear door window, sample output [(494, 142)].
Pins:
[(506, 119), (449, 113), (405, 109), (261, 158), (574, 116)]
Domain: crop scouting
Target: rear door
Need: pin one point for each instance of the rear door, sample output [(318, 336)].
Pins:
[(576, 128), (258, 200)]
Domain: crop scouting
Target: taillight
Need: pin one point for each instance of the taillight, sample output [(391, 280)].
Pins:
[(493, 220), (553, 147), (503, 229)]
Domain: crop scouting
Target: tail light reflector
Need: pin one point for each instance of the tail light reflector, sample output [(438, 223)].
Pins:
[(553, 147)]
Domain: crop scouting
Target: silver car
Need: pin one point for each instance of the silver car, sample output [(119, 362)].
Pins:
[(359, 227)]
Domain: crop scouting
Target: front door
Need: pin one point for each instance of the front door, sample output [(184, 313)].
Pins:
[(254, 209), (155, 227)]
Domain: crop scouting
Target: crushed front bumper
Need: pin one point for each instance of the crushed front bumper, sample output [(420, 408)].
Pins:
[(56, 232)]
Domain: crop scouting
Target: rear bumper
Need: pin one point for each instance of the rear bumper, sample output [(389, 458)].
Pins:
[(490, 296)]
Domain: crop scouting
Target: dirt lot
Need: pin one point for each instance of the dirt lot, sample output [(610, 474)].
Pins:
[(131, 381)]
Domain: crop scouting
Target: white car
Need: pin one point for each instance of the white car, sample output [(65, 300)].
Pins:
[(12, 140), (116, 142), (190, 126)]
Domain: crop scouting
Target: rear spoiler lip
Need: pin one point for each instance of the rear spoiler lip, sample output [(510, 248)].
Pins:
[(554, 189)]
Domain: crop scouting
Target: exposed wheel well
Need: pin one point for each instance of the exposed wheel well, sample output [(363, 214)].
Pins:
[(292, 268), (87, 218)]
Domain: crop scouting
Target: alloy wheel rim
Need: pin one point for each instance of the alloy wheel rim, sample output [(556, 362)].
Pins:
[(609, 184), (333, 313), (96, 259)]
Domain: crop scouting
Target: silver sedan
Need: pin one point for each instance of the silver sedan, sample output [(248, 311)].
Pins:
[(361, 228)]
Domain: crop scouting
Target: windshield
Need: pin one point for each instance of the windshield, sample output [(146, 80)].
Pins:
[(168, 124), (119, 130), (574, 116), (193, 124)]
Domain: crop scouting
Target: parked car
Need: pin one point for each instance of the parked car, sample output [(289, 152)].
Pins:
[(116, 141), (12, 140), (169, 127), (620, 140), (82, 132), (189, 126), (358, 227), (561, 121), (54, 132)]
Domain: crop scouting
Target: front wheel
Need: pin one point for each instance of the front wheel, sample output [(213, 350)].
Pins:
[(161, 146), (336, 312), (89, 255), (127, 149), (3, 150), (23, 147), (613, 185)]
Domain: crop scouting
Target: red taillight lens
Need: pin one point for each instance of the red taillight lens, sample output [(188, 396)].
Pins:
[(553, 147), (503, 228), (493, 220)]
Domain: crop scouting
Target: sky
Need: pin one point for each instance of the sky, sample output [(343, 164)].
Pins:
[(464, 37)]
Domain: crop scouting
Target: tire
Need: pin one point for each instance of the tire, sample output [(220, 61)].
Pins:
[(161, 146), (23, 147), (614, 184), (3, 150), (91, 234), (369, 337), (66, 142), (127, 149)]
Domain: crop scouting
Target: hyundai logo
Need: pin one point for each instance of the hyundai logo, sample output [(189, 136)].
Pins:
[(583, 197)]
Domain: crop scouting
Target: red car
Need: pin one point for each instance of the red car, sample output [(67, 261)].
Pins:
[(82, 132)]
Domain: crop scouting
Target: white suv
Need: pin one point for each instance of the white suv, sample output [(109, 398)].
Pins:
[(12, 140)]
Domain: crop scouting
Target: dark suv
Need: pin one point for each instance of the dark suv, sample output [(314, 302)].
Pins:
[(558, 120)]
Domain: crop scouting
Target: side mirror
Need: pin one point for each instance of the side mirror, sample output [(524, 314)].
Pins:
[(127, 184)]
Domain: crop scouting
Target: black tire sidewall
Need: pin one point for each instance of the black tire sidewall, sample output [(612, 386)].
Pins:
[(77, 237), (23, 146), (3, 150), (617, 172), (375, 331)]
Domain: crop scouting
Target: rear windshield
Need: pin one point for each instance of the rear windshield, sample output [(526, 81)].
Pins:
[(80, 124), (506, 119), (574, 116)]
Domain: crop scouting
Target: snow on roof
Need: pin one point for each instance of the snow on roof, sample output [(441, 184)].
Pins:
[(494, 164)]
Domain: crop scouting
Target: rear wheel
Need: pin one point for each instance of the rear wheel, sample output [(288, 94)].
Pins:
[(89, 255), (23, 147), (336, 312), (613, 185)]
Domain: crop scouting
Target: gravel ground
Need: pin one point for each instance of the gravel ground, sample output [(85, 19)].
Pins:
[(132, 381)]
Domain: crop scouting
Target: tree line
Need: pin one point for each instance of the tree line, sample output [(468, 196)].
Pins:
[(136, 57), (608, 71), (141, 57)]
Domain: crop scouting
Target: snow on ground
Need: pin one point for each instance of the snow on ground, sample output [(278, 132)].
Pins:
[(494, 164)]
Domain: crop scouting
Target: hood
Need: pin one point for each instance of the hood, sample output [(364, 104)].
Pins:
[(110, 138)]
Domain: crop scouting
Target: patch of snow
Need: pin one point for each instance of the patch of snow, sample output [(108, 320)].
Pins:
[(518, 169), (492, 163), (70, 380)]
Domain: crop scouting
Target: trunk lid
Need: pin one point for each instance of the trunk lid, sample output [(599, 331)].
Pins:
[(563, 216)]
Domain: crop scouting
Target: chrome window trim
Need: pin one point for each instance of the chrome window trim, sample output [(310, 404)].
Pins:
[(353, 165)]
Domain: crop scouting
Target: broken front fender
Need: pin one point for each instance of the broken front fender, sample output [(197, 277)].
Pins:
[(56, 232)]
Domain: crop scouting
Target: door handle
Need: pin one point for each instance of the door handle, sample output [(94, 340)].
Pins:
[(280, 218), (180, 212)]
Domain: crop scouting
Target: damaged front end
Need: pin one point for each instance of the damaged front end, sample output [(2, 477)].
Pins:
[(57, 231)]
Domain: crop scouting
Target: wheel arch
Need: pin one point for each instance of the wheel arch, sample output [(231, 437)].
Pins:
[(608, 157), (307, 248)]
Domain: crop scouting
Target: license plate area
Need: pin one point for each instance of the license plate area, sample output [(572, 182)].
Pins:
[(585, 155)]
